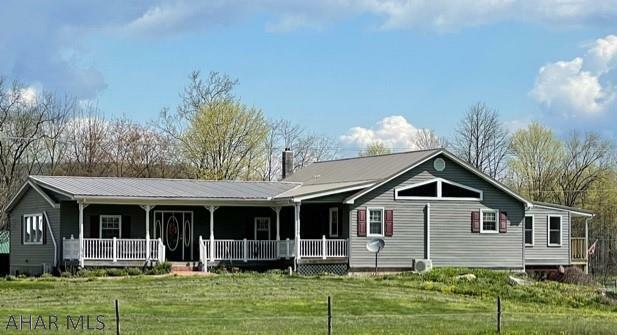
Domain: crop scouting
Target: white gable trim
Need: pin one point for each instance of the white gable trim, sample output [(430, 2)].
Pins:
[(471, 169), (440, 182), (565, 210), (331, 192), (23, 190)]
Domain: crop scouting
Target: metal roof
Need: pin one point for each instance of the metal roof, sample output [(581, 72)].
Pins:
[(321, 189), (84, 187), (360, 169), (573, 210)]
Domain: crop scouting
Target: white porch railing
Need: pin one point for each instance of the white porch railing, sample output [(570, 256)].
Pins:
[(264, 250), (112, 249), (246, 250), (323, 248)]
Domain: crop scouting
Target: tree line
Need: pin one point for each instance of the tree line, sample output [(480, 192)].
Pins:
[(211, 134)]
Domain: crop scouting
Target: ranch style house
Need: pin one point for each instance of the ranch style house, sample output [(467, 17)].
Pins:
[(430, 208)]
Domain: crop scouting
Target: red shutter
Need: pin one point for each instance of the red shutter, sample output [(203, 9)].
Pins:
[(503, 222), (475, 222), (361, 222), (389, 220)]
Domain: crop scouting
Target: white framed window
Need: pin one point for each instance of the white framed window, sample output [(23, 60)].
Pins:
[(529, 230), (333, 218), (554, 230), (110, 226), (438, 188), (33, 229), (262, 228), (375, 221), (489, 221)]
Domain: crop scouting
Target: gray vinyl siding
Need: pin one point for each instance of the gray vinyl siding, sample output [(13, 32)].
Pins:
[(540, 253), (452, 243), (31, 258)]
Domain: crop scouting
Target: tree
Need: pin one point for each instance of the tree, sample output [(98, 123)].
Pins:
[(535, 163), (585, 160), (482, 140), (23, 120), (375, 149), (222, 139), (427, 139)]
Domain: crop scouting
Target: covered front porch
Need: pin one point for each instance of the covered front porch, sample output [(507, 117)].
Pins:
[(110, 234)]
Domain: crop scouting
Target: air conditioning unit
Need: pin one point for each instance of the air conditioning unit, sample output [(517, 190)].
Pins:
[(423, 265)]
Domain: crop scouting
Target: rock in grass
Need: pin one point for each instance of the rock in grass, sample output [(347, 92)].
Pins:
[(467, 277), (514, 281)]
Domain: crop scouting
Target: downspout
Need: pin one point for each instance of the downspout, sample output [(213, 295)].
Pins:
[(53, 239), (428, 231)]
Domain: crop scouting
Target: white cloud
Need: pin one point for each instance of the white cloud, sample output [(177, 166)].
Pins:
[(578, 87), (393, 131)]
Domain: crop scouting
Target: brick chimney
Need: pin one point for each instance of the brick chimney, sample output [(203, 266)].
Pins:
[(288, 162)]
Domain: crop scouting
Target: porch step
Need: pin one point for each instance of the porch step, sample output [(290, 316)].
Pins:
[(177, 267)]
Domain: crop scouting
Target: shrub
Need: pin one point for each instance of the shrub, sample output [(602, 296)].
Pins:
[(134, 271), (159, 269), (574, 275), (117, 272), (66, 274), (10, 278)]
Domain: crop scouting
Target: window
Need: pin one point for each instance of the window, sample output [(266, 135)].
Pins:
[(375, 222), (529, 234), (110, 226), (262, 228), (438, 188), (488, 220), (334, 222), (554, 230), (33, 229), (425, 190), (453, 191)]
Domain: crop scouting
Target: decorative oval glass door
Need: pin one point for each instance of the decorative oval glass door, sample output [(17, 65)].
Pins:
[(175, 228)]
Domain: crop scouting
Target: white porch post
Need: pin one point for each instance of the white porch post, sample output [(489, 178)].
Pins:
[(81, 233), (211, 209), (277, 210), (297, 231), (586, 245), (147, 209)]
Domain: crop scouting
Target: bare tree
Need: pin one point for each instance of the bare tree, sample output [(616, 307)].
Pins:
[(87, 137), (585, 160), (482, 140), (22, 122), (427, 139)]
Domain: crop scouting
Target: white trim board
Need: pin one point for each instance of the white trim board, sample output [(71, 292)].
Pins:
[(548, 231), (440, 182), (22, 191)]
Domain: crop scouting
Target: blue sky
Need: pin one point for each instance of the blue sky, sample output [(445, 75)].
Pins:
[(385, 67)]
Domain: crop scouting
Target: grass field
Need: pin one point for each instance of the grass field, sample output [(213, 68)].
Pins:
[(275, 303)]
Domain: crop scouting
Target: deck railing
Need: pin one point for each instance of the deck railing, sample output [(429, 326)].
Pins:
[(578, 249), (246, 250), (113, 249), (323, 248), (265, 250)]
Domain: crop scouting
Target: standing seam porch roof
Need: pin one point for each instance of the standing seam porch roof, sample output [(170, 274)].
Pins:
[(84, 187)]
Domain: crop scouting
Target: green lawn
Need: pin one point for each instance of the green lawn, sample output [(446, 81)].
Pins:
[(274, 303)]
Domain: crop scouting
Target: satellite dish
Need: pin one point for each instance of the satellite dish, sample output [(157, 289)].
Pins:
[(375, 245)]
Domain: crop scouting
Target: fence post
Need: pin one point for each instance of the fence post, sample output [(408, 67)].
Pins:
[(246, 251), (498, 314), (329, 315), (323, 247), (117, 318), (114, 251)]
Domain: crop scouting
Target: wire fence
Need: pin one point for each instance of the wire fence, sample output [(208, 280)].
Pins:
[(504, 318)]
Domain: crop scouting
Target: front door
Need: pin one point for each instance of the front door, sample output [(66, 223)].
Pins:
[(262, 228), (175, 228)]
